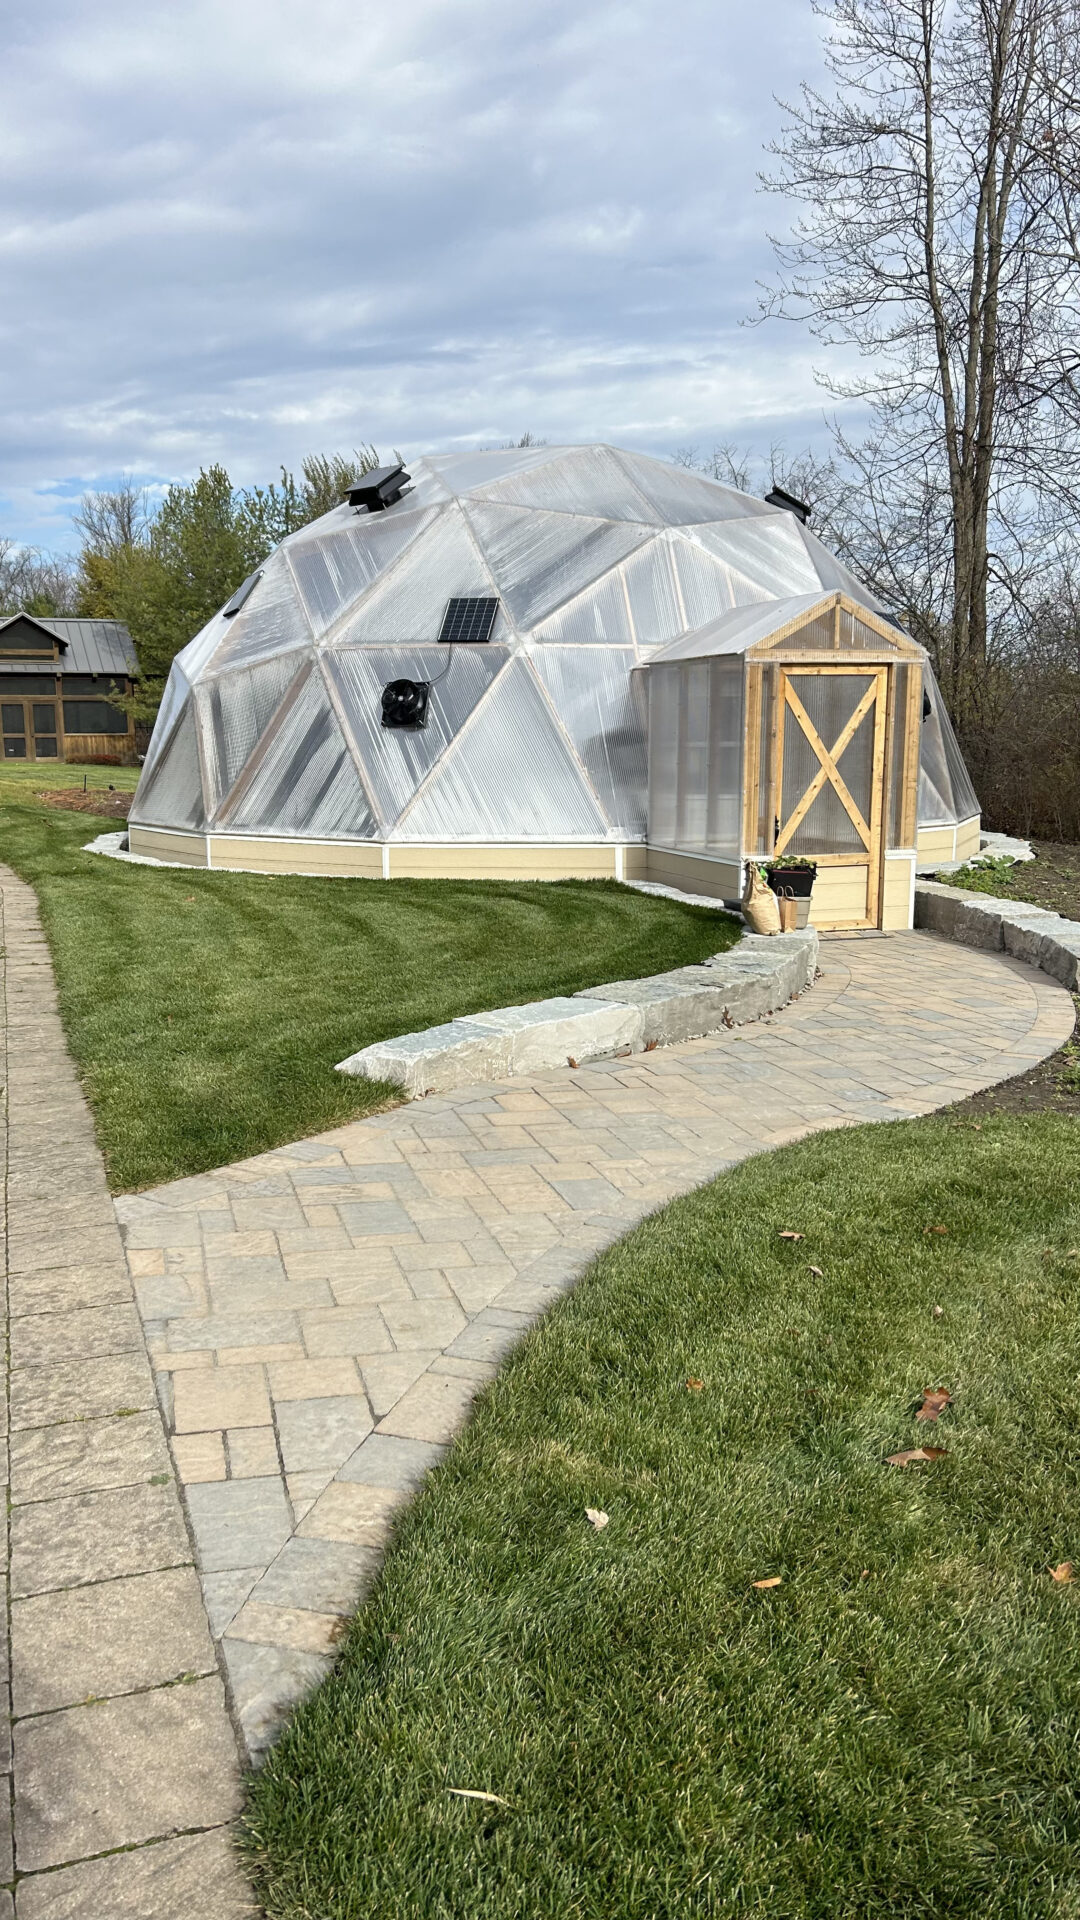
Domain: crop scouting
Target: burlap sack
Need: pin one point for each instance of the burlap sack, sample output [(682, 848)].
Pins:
[(760, 908)]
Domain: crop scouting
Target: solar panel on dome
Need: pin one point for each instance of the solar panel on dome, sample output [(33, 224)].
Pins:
[(468, 620)]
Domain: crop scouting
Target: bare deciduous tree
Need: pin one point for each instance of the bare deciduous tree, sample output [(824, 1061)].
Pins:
[(940, 187)]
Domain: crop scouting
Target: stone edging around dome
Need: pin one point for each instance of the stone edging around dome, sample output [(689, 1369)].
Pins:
[(757, 977), (1045, 940)]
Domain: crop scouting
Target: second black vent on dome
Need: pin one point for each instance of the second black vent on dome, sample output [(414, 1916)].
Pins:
[(468, 621)]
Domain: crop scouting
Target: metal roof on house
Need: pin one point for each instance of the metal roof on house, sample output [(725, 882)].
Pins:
[(92, 646)]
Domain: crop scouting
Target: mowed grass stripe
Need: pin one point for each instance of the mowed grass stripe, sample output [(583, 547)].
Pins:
[(892, 1730), (206, 1010)]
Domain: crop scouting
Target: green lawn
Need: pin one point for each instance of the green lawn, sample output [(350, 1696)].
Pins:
[(894, 1730), (206, 1010)]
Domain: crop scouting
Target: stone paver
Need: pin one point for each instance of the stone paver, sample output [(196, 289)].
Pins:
[(123, 1745), (321, 1317)]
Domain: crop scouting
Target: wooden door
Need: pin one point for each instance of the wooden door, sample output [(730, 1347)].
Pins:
[(828, 783), (29, 729)]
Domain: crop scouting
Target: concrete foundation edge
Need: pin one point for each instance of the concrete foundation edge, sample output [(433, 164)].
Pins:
[(1043, 939), (758, 976)]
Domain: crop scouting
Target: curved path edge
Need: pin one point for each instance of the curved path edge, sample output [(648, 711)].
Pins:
[(124, 1768), (321, 1317)]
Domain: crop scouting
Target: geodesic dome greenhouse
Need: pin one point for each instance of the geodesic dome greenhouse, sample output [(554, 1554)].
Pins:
[(276, 750)]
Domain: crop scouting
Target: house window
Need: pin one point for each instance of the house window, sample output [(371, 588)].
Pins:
[(93, 716)]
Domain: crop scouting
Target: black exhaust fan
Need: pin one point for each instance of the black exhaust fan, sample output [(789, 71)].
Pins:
[(405, 704), (779, 497), (379, 489)]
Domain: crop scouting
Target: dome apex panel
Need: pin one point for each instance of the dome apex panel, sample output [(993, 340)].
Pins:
[(459, 473), (678, 497), (580, 480)]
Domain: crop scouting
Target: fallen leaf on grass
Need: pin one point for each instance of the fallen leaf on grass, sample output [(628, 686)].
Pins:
[(596, 1518), (913, 1456), (934, 1402), (472, 1793), (776, 1581), (935, 1229), (694, 1386), (1063, 1573), (816, 1271), (788, 1235)]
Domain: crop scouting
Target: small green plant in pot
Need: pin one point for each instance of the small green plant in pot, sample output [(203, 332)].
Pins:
[(791, 878)]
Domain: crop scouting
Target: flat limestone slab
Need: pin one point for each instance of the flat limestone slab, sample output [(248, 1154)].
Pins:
[(1043, 939), (755, 978)]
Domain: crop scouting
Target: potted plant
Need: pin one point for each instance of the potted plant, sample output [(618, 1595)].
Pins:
[(792, 880)]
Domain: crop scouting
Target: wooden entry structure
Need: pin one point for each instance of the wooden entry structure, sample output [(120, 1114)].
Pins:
[(790, 727)]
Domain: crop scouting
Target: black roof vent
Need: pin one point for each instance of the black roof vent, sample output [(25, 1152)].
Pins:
[(243, 592), (379, 488), (778, 497), (405, 704), (468, 622)]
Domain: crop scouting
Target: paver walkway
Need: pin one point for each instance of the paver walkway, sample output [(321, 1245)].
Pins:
[(126, 1765), (320, 1317)]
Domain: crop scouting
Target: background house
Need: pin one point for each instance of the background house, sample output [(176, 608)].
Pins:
[(56, 679)]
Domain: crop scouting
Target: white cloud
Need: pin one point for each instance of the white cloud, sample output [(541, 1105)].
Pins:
[(237, 231)]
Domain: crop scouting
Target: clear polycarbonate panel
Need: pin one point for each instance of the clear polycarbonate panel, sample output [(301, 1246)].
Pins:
[(830, 701), (832, 572), (708, 587), (443, 564), (901, 689), (936, 807), (654, 601), (964, 800), (693, 786), (235, 709), (826, 828), (663, 687), (593, 692), (176, 692), (304, 781), (946, 794), (601, 613), (425, 488), (461, 472), (509, 775), (768, 552), (726, 721), (272, 619), (818, 631), (395, 760), (676, 497), (540, 560), (855, 636), (588, 480), (198, 651), (333, 570), (171, 794)]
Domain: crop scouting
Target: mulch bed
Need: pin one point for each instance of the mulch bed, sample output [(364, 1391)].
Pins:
[(99, 800)]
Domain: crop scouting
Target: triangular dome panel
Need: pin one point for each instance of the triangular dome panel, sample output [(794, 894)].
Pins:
[(584, 480), (409, 605), (708, 586), (235, 709), (172, 795), (601, 614), (540, 560), (770, 553), (303, 780), (598, 704), (395, 760), (334, 568), (461, 472), (271, 620), (678, 497), (509, 776)]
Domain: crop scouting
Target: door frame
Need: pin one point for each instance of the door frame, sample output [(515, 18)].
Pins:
[(876, 700), (28, 731)]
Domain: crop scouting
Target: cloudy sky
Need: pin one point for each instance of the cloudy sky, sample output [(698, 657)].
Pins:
[(241, 232)]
